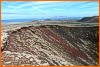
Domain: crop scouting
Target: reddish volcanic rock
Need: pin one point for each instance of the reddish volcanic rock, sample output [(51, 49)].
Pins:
[(52, 45)]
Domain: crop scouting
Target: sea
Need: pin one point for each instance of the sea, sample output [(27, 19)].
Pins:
[(15, 21)]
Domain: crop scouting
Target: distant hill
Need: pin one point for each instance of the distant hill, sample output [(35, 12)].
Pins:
[(64, 18), (94, 19)]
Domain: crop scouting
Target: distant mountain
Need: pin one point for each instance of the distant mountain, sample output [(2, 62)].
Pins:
[(65, 18), (94, 19), (56, 18)]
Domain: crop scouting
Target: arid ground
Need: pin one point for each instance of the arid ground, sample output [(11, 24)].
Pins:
[(50, 44)]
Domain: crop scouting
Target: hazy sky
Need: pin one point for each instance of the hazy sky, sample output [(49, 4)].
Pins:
[(27, 10)]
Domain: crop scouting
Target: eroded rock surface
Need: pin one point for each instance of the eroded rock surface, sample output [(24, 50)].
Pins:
[(51, 45)]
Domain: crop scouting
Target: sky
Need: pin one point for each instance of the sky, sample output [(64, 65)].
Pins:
[(27, 10)]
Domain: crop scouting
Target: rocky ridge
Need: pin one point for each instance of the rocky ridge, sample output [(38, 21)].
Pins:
[(51, 45)]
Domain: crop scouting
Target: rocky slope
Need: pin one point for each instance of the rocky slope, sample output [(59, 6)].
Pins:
[(51, 45), (94, 19)]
